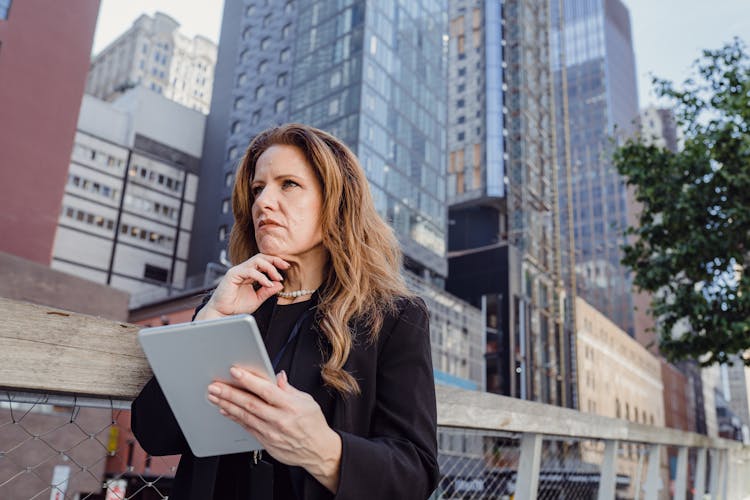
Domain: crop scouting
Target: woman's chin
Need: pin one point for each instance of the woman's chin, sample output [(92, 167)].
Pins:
[(273, 248)]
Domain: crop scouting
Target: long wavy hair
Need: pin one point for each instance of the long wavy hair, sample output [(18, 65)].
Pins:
[(363, 280)]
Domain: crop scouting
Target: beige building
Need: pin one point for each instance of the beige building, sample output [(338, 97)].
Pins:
[(658, 126), (619, 378), (153, 54), (127, 211)]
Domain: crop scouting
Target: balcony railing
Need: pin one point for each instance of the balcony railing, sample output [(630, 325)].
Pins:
[(66, 381)]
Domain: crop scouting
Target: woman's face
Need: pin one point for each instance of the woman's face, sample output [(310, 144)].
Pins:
[(288, 203)]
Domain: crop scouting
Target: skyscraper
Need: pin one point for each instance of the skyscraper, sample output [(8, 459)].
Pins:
[(596, 101), (154, 54), (372, 73), (369, 72), (501, 187), (44, 56)]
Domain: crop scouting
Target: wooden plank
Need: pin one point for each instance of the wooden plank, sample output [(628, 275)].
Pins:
[(478, 410), (57, 352), (47, 349)]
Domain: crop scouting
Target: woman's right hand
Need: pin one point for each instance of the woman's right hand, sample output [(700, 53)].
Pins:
[(237, 293)]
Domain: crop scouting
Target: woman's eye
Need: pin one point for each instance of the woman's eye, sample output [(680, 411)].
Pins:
[(289, 183), (255, 190)]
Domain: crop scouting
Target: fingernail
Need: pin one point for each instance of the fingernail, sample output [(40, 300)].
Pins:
[(213, 399), (214, 389), (236, 372), (283, 374)]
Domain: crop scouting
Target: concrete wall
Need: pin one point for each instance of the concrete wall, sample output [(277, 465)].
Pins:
[(21, 279)]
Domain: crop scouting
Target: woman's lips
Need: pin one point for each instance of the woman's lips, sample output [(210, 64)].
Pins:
[(268, 225)]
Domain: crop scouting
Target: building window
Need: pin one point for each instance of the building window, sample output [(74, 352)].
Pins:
[(247, 34), (250, 10), (233, 153), (288, 7), (239, 103), (225, 206), (155, 273), (282, 80), (286, 31), (285, 55), (262, 66), (280, 105), (242, 79), (461, 71), (228, 179), (333, 107), (267, 20), (260, 91), (461, 136), (222, 233), (460, 103), (236, 127), (265, 44)]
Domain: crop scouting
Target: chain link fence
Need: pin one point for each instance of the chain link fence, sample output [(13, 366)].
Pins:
[(60, 447), (484, 465)]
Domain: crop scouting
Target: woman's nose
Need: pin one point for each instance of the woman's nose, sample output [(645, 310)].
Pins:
[(266, 198)]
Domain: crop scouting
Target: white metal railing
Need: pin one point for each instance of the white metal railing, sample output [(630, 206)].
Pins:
[(491, 446)]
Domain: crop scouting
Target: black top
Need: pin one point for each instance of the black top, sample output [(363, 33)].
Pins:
[(233, 472), (388, 430)]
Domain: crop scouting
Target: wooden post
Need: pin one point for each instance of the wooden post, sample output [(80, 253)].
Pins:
[(527, 479), (700, 474), (608, 476), (680, 482), (653, 480), (713, 485), (723, 473)]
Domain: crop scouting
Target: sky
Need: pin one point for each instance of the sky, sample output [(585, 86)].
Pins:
[(668, 35)]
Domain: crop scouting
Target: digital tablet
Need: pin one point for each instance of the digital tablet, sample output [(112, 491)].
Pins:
[(186, 358)]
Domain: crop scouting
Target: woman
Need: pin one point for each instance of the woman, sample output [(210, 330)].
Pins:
[(352, 411)]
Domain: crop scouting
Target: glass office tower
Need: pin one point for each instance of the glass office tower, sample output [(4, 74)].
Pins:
[(596, 101), (501, 189), (372, 73)]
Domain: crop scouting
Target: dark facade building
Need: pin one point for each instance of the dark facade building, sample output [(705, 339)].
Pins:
[(503, 252), (45, 47), (596, 100)]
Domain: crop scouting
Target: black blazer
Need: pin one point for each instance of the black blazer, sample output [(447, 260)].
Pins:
[(388, 432)]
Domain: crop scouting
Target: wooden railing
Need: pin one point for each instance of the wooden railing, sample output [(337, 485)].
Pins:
[(50, 351)]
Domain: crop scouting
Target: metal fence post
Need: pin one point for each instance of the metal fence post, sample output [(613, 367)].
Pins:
[(652, 485), (608, 477), (527, 480), (681, 479), (700, 473)]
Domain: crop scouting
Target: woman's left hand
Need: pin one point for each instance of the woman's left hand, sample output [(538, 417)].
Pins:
[(287, 422)]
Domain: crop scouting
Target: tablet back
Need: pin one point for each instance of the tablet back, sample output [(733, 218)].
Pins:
[(186, 358)]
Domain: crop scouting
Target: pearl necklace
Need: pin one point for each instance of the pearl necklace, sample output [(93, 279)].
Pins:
[(295, 294)]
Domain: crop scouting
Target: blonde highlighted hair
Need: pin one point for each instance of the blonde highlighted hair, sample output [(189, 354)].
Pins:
[(363, 279)]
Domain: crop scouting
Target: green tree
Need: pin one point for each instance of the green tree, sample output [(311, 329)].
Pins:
[(691, 250)]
